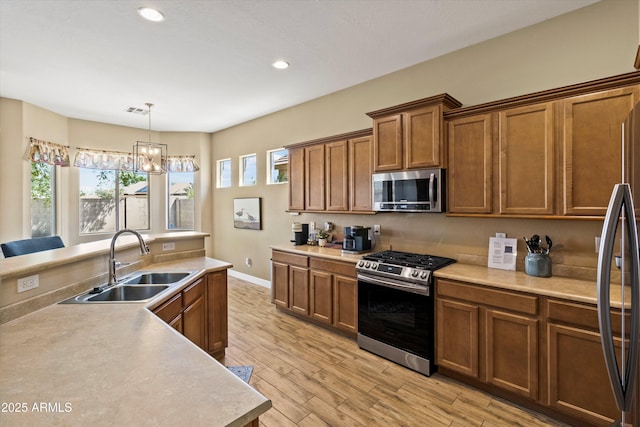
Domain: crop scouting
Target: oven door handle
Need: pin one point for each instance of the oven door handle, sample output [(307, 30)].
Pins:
[(396, 284)]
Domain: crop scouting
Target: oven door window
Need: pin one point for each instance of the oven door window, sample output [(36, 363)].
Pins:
[(401, 319)]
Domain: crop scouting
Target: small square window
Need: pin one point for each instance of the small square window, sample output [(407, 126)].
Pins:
[(277, 166), (248, 170), (224, 173)]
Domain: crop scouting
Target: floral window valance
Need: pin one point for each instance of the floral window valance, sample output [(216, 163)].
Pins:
[(48, 152), (101, 159), (182, 164)]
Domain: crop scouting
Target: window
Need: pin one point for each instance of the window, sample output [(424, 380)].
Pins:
[(102, 211), (181, 214), (277, 166), (43, 204), (224, 173), (248, 169)]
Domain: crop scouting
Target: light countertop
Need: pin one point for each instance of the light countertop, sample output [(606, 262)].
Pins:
[(556, 286), (116, 364)]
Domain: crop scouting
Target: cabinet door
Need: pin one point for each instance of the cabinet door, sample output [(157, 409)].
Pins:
[(512, 352), (457, 336), (280, 284), (194, 318), (526, 166), (296, 179), (345, 303), (337, 175), (171, 312), (217, 311), (360, 168), (314, 177), (592, 148), (387, 143), (422, 138), (578, 378), (299, 290), (470, 164), (321, 296)]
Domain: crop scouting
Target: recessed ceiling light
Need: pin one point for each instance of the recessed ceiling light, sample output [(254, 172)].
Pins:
[(151, 14), (280, 65)]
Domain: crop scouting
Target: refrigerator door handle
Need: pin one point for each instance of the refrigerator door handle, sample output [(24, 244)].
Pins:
[(622, 387)]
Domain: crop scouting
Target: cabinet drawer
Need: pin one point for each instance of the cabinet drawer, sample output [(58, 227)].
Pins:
[(170, 309), (193, 292), (291, 259), (582, 315), (337, 267), (492, 297)]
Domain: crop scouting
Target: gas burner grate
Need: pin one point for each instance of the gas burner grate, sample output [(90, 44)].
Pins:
[(407, 259)]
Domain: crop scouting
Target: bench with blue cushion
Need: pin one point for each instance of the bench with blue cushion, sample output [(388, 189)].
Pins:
[(27, 246)]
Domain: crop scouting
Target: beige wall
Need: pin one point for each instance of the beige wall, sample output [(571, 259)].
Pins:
[(21, 120), (591, 43)]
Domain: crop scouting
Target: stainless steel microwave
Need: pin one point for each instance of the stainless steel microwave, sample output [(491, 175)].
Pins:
[(420, 190)]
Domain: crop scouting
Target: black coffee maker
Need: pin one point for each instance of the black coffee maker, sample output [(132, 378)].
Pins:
[(356, 239), (300, 233)]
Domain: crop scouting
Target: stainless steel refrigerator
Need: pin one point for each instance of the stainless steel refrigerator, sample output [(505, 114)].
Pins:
[(619, 250)]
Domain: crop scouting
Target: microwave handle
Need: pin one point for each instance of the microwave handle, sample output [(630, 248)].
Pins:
[(432, 189)]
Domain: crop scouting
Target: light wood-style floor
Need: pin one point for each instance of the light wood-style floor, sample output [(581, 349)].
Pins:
[(315, 377)]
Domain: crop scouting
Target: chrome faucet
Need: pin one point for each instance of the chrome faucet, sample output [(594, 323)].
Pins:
[(144, 249)]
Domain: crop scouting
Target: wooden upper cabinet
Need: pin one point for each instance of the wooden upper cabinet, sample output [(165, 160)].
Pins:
[(337, 176), (314, 182), (422, 138), (470, 141), (409, 136), (387, 148), (592, 148), (332, 174), (526, 163), (360, 170), (296, 179)]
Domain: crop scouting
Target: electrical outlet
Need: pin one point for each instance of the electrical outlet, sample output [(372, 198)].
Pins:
[(247, 262), (168, 246), (376, 228), (597, 244), (28, 283)]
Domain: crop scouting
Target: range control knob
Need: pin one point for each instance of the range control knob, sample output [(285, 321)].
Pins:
[(361, 263), (414, 273), (374, 266), (423, 275), (367, 264)]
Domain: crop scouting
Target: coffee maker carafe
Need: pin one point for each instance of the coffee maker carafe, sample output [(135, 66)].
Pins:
[(300, 233), (356, 239)]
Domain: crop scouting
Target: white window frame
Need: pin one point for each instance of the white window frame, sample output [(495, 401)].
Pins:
[(242, 169), (219, 164), (270, 167)]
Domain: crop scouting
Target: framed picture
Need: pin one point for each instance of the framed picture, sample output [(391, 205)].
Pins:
[(247, 213)]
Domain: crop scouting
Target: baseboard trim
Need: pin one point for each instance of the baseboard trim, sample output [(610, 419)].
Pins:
[(249, 278)]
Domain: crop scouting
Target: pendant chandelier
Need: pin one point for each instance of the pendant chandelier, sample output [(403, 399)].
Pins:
[(150, 157)]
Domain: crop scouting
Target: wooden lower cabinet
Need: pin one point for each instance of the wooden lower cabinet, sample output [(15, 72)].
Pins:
[(316, 288), (578, 378), (199, 312), (538, 350), (457, 335), (194, 316), (217, 326), (489, 335)]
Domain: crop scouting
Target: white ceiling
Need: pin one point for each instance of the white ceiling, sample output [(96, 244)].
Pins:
[(208, 65)]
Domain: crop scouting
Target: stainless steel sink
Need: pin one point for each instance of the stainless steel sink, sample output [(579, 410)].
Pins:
[(155, 278), (128, 293), (138, 287)]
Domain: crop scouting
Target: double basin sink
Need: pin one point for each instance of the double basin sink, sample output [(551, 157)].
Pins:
[(138, 287)]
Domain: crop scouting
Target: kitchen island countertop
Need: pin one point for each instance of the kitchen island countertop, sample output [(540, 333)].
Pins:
[(116, 364)]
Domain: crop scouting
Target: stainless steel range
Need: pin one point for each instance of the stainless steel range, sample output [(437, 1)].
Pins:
[(396, 307)]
